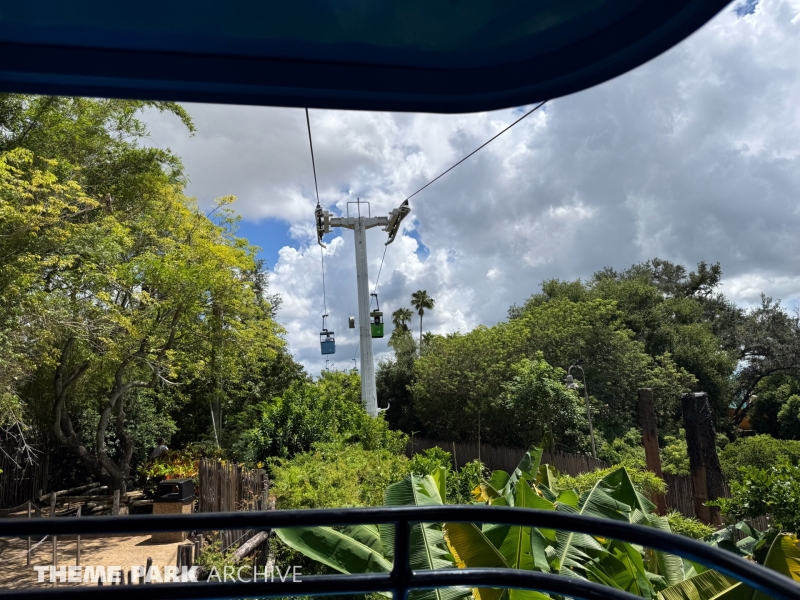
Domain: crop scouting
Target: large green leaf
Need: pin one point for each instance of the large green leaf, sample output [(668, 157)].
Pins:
[(546, 476), (474, 550), (428, 549), (623, 569), (335, 549), (705, 586)]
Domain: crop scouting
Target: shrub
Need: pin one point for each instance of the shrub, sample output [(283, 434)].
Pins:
[(675, 454), (335, 475), (774, 490), (324, 411), (645, 481), (688, 526), (459, 484), (759, 451), (626, 450), (212, 558)]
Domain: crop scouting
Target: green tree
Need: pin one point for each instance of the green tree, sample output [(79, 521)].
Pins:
[(400, 317), (421, 302), (117, 286), (789, 418), (308, 413)]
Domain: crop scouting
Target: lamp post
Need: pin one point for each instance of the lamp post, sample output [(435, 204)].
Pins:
[(571, 385)]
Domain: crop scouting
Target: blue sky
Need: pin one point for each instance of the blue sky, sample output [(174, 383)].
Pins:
[(693, 156)]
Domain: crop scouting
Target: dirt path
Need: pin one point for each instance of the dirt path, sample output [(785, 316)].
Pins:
[(117, 550)]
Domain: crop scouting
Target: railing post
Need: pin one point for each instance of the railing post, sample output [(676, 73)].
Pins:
[(401, 570), (78, 540), (29, 537), (55, 538)]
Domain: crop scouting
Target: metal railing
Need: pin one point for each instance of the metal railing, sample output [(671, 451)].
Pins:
[(402, 578)]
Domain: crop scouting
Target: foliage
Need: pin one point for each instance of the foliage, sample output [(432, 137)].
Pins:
[(421, 302), (369, 548), (394, 380), (675, 454), (172, 464), (643, 480), (688, 526), (213, 558), (459, 483), (335, 475), (774, 491), (789, 418), (626, 450), (327, 410), (758, 451), (115, 287)]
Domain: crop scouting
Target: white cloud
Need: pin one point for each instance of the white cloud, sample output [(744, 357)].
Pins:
[(694, 156)]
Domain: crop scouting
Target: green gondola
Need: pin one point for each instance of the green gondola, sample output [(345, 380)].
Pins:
[(376, 320)]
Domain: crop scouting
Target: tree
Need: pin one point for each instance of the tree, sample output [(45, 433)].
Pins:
[(400, 317), (117, 288), (421, 302)]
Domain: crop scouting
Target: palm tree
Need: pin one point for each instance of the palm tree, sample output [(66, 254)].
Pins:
[(400, 317), (420, 301)]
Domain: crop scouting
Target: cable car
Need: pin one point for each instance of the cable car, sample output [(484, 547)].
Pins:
[(376, 320), (327, 343)]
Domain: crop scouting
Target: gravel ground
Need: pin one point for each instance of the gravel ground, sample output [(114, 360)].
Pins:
[(113, 550)]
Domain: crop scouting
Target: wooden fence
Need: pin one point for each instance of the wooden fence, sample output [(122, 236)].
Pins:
[(505, 458), (680, 494), (227, 487)]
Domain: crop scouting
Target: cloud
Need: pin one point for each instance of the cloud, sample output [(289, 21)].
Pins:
[(694, 156)]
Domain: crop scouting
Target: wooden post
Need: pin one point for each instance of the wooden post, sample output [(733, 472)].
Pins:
[(78, 541), (147, 568), (649, 425), (115, 507), (185, 556), (701, 438), (198, 546), (29, 537)]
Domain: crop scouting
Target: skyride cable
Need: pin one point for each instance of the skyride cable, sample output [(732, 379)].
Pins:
[(316, 189), (443, 173)]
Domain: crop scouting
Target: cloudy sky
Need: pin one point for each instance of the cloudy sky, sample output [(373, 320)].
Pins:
[(693, 156)]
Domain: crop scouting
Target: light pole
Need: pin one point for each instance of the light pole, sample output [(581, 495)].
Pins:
[(571, 385)]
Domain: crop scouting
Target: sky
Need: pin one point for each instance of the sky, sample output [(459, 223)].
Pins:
[(692, 156)]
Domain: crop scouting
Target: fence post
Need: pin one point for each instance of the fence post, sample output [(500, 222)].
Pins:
[(29, 537), (649, 425), (147, 566), (707, 479), (115, 506)]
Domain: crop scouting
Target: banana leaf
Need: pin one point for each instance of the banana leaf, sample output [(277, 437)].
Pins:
[(705, 586), (474, 550), (335, 549), (623, 569), (428, 549)]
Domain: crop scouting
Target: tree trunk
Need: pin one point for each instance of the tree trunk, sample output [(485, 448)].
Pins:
[(649, 425), (701, 441)]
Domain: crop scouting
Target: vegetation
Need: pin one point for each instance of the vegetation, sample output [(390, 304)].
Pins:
[(646, 573), (772, 491), (335, 475), (759, 452), (326, 410)]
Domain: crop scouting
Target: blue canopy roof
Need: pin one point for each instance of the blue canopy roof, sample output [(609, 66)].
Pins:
[(407, 55)]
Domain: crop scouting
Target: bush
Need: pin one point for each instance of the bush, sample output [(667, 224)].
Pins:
[(328, 410), (335, 475), (459, 484), (212, 561), (675, 454), (645, 481), (626, 450), (758, 451), (756, 492), (688, 526)]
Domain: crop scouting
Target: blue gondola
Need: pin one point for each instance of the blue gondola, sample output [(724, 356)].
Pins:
[(327, 343)]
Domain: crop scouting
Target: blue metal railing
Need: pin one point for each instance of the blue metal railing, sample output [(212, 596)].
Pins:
[(402, 578)]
